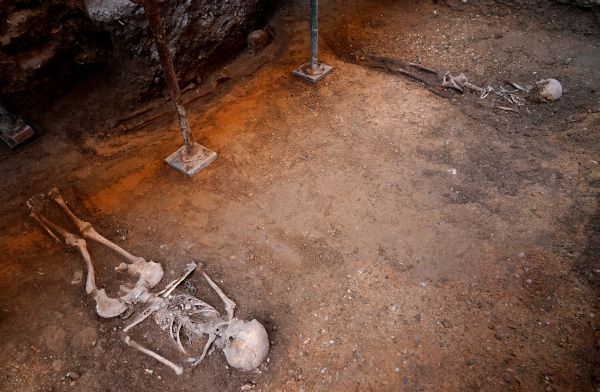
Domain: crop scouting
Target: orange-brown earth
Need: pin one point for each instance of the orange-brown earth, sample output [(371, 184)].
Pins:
[(387, 237)]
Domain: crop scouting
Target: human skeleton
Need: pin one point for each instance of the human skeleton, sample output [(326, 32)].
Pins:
[(244, 343)]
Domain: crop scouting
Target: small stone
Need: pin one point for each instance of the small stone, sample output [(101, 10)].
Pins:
[(247, 386), (258, 39), (148, 371), (22, 357), (72, 375), (77, 277), (397, 370)]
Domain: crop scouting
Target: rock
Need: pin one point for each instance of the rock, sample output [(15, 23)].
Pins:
[(247, 386), (77, 277), (108, 10), (22, 357), (582, 3), (72, 375), (258, 39)]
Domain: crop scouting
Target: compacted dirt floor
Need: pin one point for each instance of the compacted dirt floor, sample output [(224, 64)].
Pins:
[(389, 235)]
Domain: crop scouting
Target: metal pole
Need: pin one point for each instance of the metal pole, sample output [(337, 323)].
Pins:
[(313, 70), (153, 14), (314, 35)]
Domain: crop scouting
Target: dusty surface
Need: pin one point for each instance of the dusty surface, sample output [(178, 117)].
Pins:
[(388, 238)]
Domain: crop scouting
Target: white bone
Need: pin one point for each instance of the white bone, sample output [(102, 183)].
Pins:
[(189, 268), (229, 304), (78, 242), (154, 306), (87, 230), (132, 343), (209, 342), (244, 343), (149, 271), (107, 307)]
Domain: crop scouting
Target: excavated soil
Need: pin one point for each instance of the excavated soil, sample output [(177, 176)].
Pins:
[(388, 237)]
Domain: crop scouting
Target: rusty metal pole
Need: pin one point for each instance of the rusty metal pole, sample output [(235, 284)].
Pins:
[(192, 157)]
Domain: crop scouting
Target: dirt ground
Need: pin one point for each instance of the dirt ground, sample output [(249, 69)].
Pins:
[(389, 238)]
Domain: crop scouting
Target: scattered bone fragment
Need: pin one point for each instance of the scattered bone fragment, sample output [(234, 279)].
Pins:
[(247, 386)]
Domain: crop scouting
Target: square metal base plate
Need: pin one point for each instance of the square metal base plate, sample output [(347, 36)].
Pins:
[(193, 167), (303, 72)]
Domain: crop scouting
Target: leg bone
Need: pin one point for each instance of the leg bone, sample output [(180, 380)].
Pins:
[(105, 306), (88, 231), (76, 241)]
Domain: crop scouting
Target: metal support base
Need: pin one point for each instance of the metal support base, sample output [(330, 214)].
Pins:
[(305, 72), (204, 158)]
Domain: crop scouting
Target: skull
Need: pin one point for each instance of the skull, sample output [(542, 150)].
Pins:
[(548, 90), (245, 344)]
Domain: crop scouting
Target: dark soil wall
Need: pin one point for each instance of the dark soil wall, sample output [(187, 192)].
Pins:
[(48, 43)]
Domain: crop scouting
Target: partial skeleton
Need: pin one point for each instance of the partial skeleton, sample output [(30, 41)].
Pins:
[(244, 343)]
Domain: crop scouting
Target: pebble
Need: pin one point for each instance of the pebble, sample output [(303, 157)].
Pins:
[(258, 39), (77, 277), (247, 386), (72, 375)]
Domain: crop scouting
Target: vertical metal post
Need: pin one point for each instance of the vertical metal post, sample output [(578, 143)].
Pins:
[(192, 157), (158, 31), (313, 71), (314, 35)]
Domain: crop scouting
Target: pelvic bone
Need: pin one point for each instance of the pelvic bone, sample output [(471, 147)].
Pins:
[(244, 343)]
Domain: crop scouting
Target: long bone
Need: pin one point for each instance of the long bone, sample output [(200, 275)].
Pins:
[(87, 230), (149, 274), (245, 344), (106, 306), (132, 343), (73, 240)]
